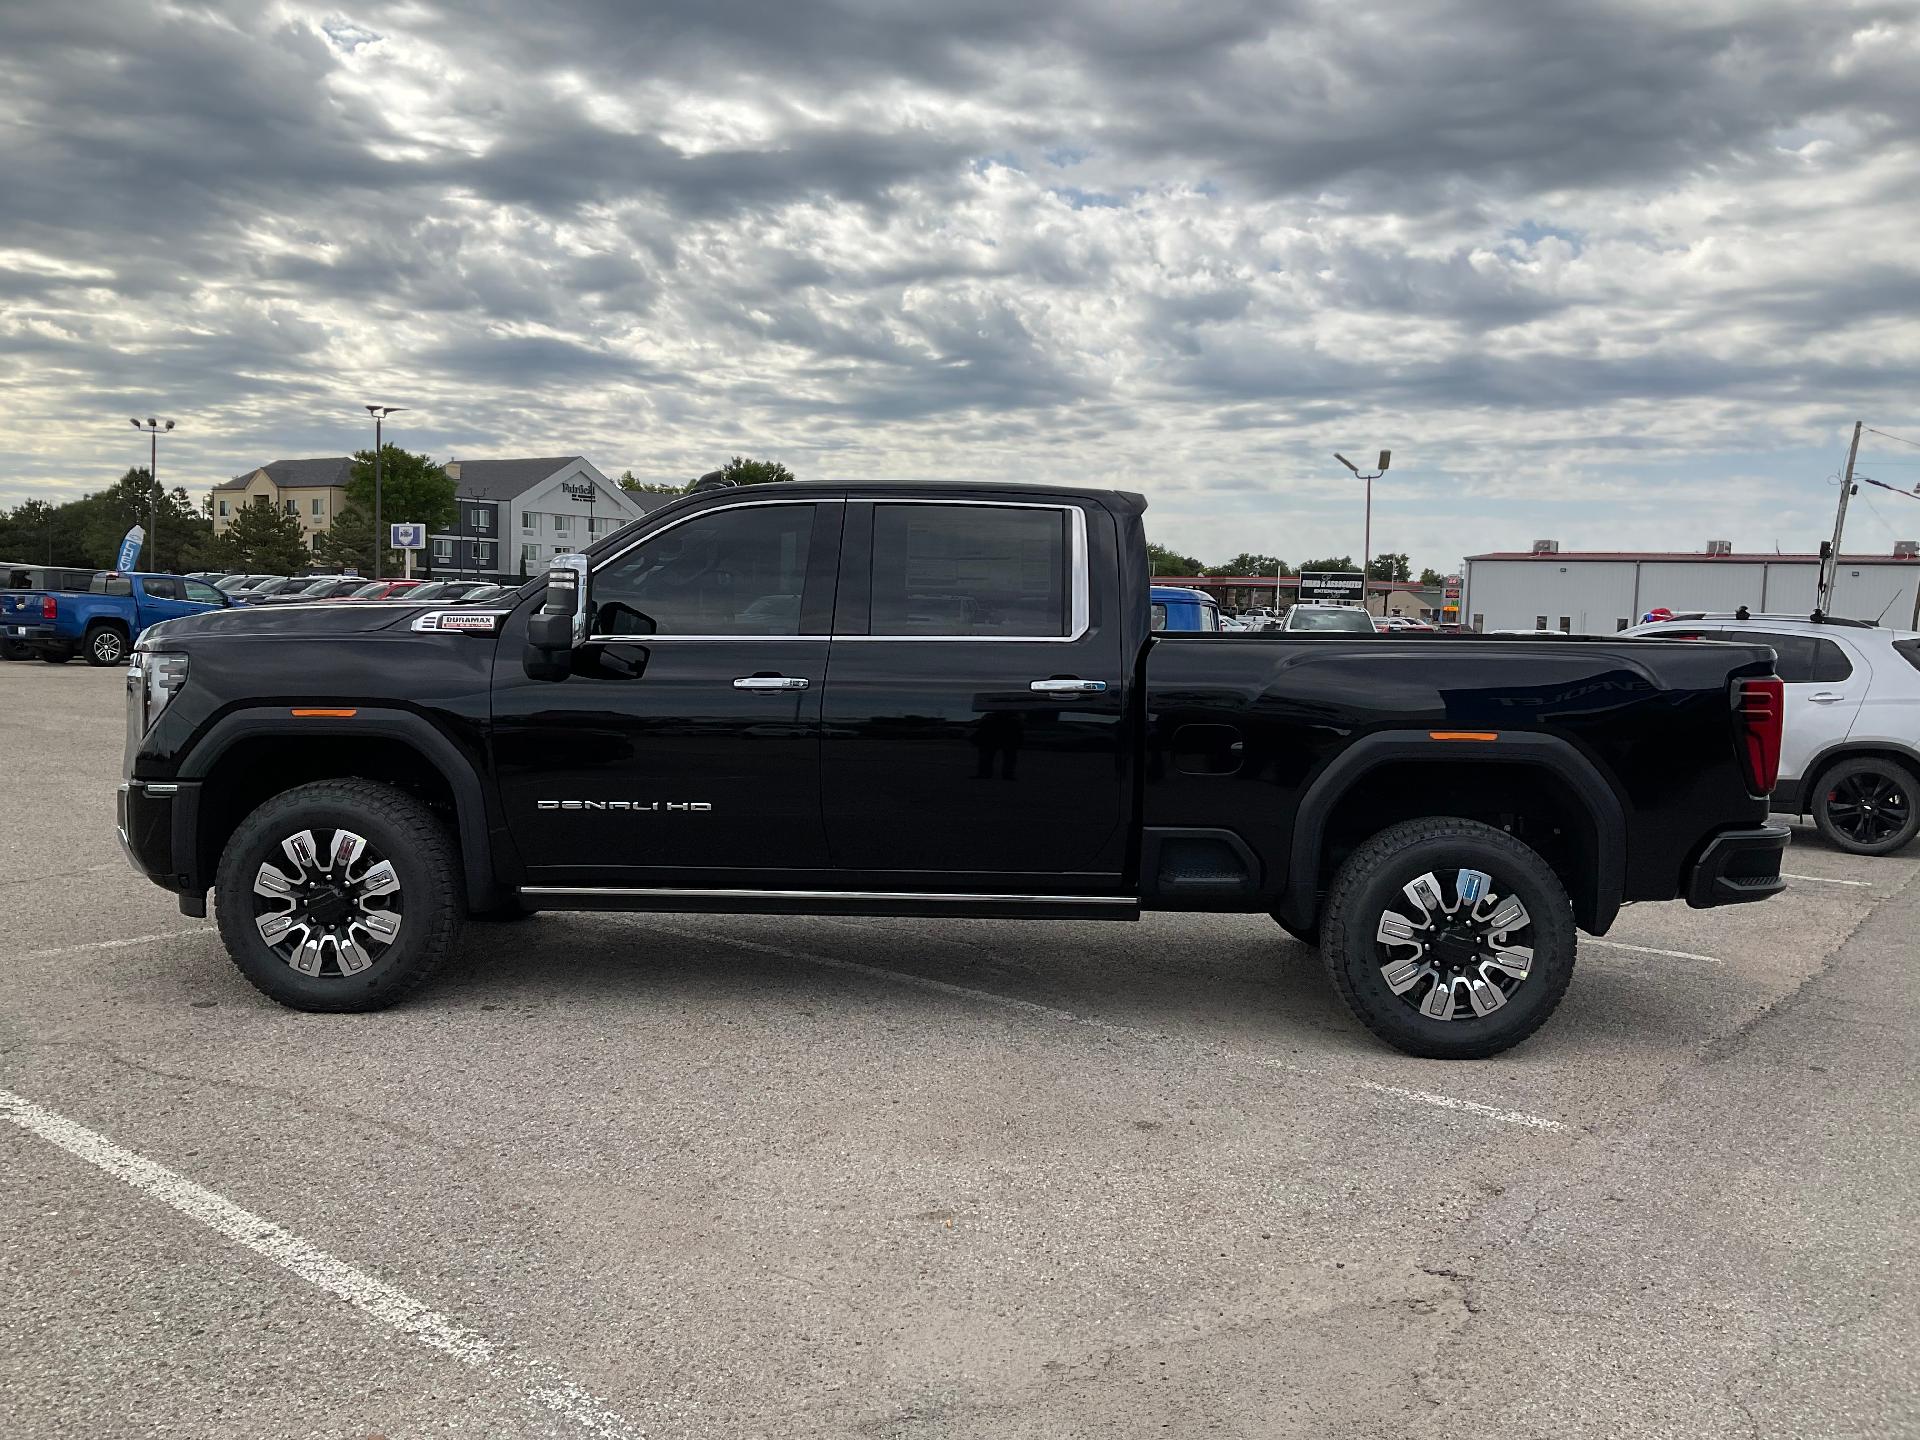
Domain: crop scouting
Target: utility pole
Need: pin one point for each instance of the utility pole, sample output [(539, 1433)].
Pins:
[(379, 413), (155, 429), (1830, 562), (1366, 544)]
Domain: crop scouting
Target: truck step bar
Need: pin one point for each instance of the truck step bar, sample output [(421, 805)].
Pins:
[(833, 902)]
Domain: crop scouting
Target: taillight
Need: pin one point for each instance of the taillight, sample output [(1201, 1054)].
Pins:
[(48, 610), (1760, 712)]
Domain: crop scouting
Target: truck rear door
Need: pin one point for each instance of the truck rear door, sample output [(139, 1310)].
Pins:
[(976, 727)]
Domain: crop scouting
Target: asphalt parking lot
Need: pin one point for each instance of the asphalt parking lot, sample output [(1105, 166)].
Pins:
[(688, 1176)]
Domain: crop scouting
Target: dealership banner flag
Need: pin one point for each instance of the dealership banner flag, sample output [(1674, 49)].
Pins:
[(130, 548)]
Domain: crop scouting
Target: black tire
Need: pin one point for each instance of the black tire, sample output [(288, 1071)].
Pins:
[(1371, 882), (105, 645), (1310, 937), (1867, 806), (56, 657), (14, 650), (397, 827)]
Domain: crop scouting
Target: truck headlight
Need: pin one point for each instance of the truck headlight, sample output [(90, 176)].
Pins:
[(161, 676)]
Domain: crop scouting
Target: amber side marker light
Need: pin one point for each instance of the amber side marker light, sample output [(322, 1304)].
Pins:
[(323, 714), (1463, 735)]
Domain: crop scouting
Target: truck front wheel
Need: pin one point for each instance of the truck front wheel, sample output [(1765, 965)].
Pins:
[(1448, 938), (340, 895)]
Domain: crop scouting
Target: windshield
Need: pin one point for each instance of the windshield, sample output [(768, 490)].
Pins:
[(1340, 620), (377, 587)]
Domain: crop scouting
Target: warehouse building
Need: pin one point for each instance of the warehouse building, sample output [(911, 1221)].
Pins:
[(1592, 592)]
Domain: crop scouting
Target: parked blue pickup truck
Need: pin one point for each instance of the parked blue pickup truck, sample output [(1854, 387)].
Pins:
[(1175, 607), (102, 623)]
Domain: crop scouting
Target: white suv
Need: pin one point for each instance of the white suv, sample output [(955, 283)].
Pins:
[(1850, 756)]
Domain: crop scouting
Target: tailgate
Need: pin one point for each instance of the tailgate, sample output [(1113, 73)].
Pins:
[(21, 606)]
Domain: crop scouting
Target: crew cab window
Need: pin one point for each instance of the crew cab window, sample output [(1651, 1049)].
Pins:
[(987, 570), (163, 587), (1158, 612), (738, 571), (203, 593)]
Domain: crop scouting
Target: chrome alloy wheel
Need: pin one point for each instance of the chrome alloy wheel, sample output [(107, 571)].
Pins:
[(329, 917), (1450, 950)]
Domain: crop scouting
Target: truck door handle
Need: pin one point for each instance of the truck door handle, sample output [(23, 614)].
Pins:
[(1069, 687), (771, 682), (1826, 697)]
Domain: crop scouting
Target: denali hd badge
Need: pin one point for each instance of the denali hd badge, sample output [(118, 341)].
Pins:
[(689, 805)]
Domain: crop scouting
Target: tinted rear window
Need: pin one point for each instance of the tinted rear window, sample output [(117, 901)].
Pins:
[(1804, 659), (1909, 651), (988, 570)]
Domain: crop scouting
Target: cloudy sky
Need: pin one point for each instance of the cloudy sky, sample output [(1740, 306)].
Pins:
[(1616, 273)]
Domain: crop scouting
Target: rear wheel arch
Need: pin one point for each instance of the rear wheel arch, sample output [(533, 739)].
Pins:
[(1390, 777), (250, 756), (1808, 784)]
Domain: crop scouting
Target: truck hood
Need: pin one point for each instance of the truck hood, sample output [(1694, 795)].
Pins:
[(288, 622)]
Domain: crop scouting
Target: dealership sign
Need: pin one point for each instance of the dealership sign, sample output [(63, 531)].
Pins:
[(1331, 585)]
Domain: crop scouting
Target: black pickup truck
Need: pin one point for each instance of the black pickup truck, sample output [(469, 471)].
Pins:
[(934, 700)]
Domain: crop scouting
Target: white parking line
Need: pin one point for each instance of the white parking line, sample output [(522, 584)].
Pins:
[(1825, 880), (1130, 1032), (538, 1384), (114, 944), (1649, 950)]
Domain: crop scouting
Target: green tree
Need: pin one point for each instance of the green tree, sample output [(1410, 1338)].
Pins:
[(265, 539), (742, 471), (28, 532), (1163, 561), (348, 545), (1388, 566), (105, 517), (629, 482), (1343, 562), (413, 490), (1246, 564), (1431, 579)]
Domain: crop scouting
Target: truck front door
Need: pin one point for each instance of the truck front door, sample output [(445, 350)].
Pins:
[(684, 748), (976, 732)]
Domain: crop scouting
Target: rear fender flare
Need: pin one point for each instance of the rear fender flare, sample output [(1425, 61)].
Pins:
[(1382, 747)]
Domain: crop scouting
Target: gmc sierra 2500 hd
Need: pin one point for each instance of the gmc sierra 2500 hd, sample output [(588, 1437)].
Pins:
[(935, 700)]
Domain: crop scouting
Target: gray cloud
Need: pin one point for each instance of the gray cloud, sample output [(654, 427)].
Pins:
[(1189, 252)]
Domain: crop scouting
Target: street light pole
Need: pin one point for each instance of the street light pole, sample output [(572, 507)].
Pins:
[(1366, 543), (155, 429), (379, 413)]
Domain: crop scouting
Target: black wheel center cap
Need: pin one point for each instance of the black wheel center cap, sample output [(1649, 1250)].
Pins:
[(329, 907), (1456, 948)]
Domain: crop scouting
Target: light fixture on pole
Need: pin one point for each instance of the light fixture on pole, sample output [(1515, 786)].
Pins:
[(155, 429), (379, 413), (1366, 544)]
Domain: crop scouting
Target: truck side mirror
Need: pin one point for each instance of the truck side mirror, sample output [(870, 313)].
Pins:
[(561, 622)]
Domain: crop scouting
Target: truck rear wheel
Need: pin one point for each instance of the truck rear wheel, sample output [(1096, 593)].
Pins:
[(340, 895), (104, 645), (1448, 938)]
